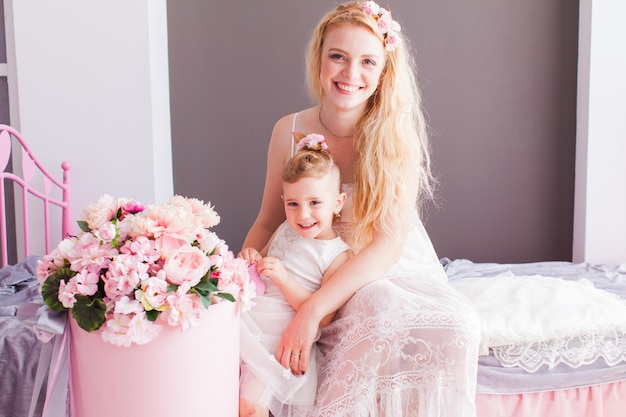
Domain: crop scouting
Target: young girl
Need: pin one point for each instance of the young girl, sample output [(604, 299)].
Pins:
[(300, 257), (403, 342)]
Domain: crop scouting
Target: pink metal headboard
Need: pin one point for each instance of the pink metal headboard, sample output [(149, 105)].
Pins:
[(45, 193)]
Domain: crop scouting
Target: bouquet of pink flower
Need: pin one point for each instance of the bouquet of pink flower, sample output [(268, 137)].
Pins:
[(132, 265)]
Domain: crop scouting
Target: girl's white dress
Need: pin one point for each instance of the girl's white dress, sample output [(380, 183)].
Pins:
[(403, 345), (263, 380)]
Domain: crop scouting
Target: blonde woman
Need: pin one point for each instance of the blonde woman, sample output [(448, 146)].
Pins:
[(403, 342)]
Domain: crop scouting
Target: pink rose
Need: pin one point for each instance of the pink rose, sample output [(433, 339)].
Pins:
[(107, 232), (186, 265), (153, 293), (384, 22), (392, 41), (370, 8), (313, 141)]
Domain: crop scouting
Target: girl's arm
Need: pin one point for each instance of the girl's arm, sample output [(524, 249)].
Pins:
[(293, 291)]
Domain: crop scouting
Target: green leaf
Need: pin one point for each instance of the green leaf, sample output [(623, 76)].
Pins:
[(89, 312), (225, 296), (207, 285), (50, 288), (152, 315), (83, 226), (206, 301)]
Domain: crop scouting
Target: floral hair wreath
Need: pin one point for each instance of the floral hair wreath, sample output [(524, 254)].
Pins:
[(310, 142), (387, 26)]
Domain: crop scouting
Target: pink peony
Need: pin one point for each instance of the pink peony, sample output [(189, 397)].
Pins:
[(186, 265), (100, 212), (205, 212), (209, 241)]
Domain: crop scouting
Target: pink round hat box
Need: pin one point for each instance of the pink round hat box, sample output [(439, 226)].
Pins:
[(194, 373)]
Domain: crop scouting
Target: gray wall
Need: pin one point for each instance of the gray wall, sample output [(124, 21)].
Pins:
[(499, 81)]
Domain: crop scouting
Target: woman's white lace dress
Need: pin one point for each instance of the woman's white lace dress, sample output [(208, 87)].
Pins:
[(404, 345)]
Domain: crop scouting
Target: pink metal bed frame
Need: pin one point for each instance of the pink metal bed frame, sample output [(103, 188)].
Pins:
[(44, 192)]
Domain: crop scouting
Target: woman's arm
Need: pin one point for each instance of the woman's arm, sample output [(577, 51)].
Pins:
[(272, 213)]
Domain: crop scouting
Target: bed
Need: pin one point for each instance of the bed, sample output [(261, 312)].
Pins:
[(553, 337), (34, 216)]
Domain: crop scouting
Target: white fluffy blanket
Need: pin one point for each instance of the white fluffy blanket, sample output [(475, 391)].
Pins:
[(526, 309)]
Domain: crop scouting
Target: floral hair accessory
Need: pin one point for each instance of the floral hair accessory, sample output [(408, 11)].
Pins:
[(310, 142), (387, 26)]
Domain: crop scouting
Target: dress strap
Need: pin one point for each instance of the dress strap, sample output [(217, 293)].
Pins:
[(293, 129)]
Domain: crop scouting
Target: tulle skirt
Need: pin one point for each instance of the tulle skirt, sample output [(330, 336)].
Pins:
[(263, 379)]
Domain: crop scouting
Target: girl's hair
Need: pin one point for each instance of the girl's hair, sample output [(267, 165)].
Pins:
[(391, 136), (310, 163)]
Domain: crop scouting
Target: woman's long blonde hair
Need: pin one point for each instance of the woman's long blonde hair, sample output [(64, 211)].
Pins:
[(391, 139)]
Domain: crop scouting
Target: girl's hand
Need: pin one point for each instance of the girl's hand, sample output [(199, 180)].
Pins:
[(250, 254), (274, 269), (295, 346)]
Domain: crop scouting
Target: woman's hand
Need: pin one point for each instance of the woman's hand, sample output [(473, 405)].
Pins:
[(295, 346)]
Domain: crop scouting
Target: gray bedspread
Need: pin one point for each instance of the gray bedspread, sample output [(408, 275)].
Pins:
[(19, 347)]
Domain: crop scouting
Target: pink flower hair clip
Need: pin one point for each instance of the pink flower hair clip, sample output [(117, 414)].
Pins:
[(389, 28), (310, 142)]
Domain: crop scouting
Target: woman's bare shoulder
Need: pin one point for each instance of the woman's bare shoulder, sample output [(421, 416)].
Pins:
[(299, 121), (292, 122)]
